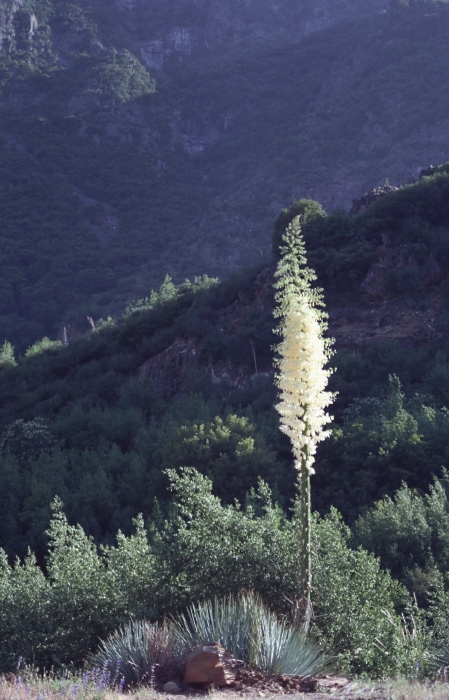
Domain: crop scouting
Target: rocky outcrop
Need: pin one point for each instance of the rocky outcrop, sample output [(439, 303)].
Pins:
[(359, 205), (383, 321), (8, 9), (210, 664), (193, 136), (377, 283), (176, 29), (171, 367)]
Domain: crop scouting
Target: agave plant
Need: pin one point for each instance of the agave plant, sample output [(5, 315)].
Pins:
[(277, 647), (227, 621), (137, 652), (253, 634)]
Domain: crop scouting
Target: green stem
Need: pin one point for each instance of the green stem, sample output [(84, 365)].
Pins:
[(305, 568)]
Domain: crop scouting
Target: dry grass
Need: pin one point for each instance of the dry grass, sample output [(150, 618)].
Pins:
[(31, 687), (392, 690), (70, 689), (402, 690)]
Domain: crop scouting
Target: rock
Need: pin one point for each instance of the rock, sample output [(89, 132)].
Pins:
[(375, 284), (171, 687), (210, 664), (359, 205), (377, 281), (328, 682), (172, 367)]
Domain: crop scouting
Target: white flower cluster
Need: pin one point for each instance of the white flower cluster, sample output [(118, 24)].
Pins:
[(302, 379)]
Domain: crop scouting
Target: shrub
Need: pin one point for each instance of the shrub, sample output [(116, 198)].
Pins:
[(358, 605), (410, 534), (204, 550), (25, 610), (7, 357), (27, 439), (41, 346)]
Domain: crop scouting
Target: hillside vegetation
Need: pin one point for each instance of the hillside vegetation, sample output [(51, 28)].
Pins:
[(184, 378)]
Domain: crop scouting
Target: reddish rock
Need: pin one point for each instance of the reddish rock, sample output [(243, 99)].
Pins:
[(210, 664)]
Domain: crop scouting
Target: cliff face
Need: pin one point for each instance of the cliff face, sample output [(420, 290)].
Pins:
[(8, 9), (353, 126), (162, 30)]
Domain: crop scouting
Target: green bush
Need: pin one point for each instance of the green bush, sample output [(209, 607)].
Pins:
[(27, 439), (201, 550), (41, 346), (358, 605), (205, 549), (82, 604), (25, 614), (307, 209), (437, 657), (7, 358), (383, 442), (410, 534), (55, 620), (230, 451)]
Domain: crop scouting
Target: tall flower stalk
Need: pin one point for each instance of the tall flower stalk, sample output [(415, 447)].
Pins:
[(302, 377)]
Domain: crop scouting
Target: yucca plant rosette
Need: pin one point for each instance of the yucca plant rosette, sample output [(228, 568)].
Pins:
[(139, 652), (253, 634)]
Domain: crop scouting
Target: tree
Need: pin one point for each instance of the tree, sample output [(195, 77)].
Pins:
[(230, 451), (302, 378), (7, 358), (308, 209), (27, 439), (41, 346)]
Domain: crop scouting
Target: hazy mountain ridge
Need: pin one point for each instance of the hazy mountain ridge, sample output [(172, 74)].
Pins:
[(122, 174), (172, 29), (159, 30)]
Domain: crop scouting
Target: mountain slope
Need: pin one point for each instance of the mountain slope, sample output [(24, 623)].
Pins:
[(149, 138), (185, 378)]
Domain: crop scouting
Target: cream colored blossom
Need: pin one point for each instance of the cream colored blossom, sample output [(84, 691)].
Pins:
[(302, 380)]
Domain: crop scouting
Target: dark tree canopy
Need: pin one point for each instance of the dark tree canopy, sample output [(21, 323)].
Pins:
[(307, 209)]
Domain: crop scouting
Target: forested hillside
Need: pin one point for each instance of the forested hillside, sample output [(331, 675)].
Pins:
[(149, 138), (185, 378)]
